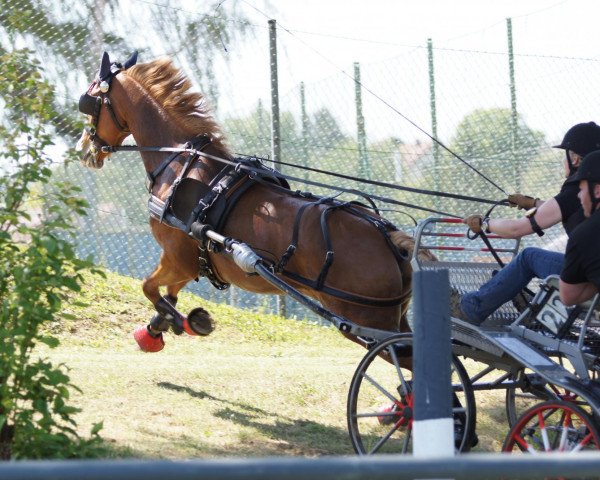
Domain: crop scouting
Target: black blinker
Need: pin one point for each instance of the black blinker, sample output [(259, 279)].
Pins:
[(132, 60), (87, 104), (104, 67)]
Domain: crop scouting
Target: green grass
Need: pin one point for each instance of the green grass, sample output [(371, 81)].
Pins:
[(258, 385)]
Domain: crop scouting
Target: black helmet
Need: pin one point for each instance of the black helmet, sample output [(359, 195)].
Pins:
[(589, 169), (582, 138)]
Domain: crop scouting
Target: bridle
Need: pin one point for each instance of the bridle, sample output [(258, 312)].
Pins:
[(92, 105)]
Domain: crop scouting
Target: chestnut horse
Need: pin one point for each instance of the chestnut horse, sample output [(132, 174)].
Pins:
[(154, 103)]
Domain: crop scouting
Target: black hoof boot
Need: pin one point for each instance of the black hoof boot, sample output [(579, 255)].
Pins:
[(200, 322)]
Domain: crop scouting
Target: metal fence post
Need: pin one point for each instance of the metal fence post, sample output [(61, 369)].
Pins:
[(514, 137), (275, 124), (363, 158), (305, 125), (434, 133), (433, 427)]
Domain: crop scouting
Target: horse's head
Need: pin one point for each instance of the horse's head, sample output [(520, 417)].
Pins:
[(105, 127)]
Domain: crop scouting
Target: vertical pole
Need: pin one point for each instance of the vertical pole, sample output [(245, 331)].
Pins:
[(433, 426), (262, 124), (513, 109), (305, 127), (275, 125), (436, 148), (363, 159), (233, 297)]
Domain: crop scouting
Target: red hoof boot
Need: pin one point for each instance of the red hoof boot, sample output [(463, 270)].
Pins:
[(147, 342), (389, 414), (187, 328)]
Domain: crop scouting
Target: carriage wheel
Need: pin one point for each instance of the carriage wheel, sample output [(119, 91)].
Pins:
[(520, 399), (553, 426), (380, 401)]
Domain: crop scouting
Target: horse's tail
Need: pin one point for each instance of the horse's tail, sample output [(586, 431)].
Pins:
[(406, 243)]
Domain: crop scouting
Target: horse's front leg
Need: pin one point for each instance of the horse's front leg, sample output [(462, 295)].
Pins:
[(198, 321), (167, 315)]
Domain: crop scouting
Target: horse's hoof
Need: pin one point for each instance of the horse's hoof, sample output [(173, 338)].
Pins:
[(147, 342), (198, 322)]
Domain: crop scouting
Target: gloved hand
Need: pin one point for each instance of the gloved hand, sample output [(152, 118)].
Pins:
[(474, 222), (524, 202)]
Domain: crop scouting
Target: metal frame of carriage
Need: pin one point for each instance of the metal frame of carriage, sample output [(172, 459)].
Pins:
[(545, 371), (546, 357)]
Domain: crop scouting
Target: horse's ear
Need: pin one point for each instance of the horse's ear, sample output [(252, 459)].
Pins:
[(131, 61), (104, 67)]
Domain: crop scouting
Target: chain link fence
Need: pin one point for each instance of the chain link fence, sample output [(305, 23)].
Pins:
[(500, 124)]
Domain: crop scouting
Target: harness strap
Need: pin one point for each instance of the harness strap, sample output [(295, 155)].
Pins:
[(111, 110), (285, 258), (329, 253), (190, 159), (199, 144), (346, 296)]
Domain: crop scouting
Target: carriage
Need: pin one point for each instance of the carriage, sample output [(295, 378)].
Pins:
[(211, 213), (545, 357)]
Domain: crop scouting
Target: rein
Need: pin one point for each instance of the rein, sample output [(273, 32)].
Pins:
[(255, 170)]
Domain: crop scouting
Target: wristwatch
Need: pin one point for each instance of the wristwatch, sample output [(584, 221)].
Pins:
[(485, 225), (530, 214)]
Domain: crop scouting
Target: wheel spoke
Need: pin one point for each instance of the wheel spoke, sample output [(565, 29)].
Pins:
[(565, 430), (524, 444), (407, 438), (583, 443), (380, 388), (384, 439), (544, 432), (405, 386)]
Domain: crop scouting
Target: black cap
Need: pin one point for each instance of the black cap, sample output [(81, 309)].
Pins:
[(589, 169), (582, 138)]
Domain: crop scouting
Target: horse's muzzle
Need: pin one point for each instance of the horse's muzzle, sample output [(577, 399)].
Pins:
[(91, 154)]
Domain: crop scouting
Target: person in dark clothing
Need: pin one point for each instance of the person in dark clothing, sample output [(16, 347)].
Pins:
[(580, 276), (475, 307)]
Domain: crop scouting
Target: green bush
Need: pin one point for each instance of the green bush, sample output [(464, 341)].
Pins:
[(38, 269)]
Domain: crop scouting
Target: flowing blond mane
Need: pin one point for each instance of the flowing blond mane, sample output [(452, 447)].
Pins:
[(171, 89)]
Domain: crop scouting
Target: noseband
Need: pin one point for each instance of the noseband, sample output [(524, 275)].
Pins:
[(91, 105)]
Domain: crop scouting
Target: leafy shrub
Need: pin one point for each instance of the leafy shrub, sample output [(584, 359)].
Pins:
[(38, 268)]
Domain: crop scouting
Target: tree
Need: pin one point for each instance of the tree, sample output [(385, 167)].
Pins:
[(497, 146), (38, 269), (490, 134), (324, 129), (70, 37)]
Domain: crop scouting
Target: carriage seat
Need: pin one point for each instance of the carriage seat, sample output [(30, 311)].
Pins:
[(553, 281), (551, 313)]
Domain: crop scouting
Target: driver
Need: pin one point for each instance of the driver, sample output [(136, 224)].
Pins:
[(580, 277), (475, 307)]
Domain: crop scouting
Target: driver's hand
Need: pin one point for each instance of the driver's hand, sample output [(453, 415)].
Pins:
[(474, 222), (523, 202)]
